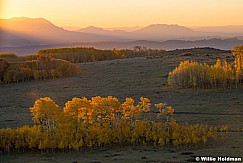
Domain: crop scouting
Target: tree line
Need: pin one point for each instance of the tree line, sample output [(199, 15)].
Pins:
[(140, 51), (90, 54), (84, 54), (99, 122), (81, 54), (44, 68), (190, 74)]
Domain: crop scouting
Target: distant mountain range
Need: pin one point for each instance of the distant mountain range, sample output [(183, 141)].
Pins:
[(224, 44), (27, 31), (235, 29), (163, 32), (21, 31)]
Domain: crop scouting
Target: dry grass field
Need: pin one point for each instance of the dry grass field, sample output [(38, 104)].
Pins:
[(134, 77)]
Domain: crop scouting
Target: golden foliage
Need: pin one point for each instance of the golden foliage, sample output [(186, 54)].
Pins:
[(191, 74), (15, 72), (101, 121)]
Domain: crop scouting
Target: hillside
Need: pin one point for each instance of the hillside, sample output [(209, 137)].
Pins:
[(133, 77)]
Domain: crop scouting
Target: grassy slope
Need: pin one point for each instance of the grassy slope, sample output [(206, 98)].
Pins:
[(133, 77)]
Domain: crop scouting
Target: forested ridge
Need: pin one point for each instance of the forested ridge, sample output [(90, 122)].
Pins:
[(74, 55), (84, 54), (100, 121), (89, 54), (81, 54)]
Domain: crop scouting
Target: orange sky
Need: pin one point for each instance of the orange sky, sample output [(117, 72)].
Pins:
[(113, 13)]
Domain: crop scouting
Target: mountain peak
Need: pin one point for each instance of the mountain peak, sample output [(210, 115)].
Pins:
[(20, 22), (163, 32), (27, 19), (93, 28), (161, 25), (166, 27)]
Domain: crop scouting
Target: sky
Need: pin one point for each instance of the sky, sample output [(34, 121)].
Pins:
[(125, 13)]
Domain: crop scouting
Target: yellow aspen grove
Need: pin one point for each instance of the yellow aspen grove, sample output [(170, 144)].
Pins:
[(15, 72), (99, 122), (191, 74), (238, 54)]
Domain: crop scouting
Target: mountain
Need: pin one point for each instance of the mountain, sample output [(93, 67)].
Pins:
[(154, 32), (71, 28), (100, 31), (230, 29), (92, 29), (40, 31), (163, 32), (21, 31), (126, 29), (235, 31), (10, 38)]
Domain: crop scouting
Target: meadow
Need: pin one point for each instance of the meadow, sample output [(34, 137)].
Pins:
[(133, 77)]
